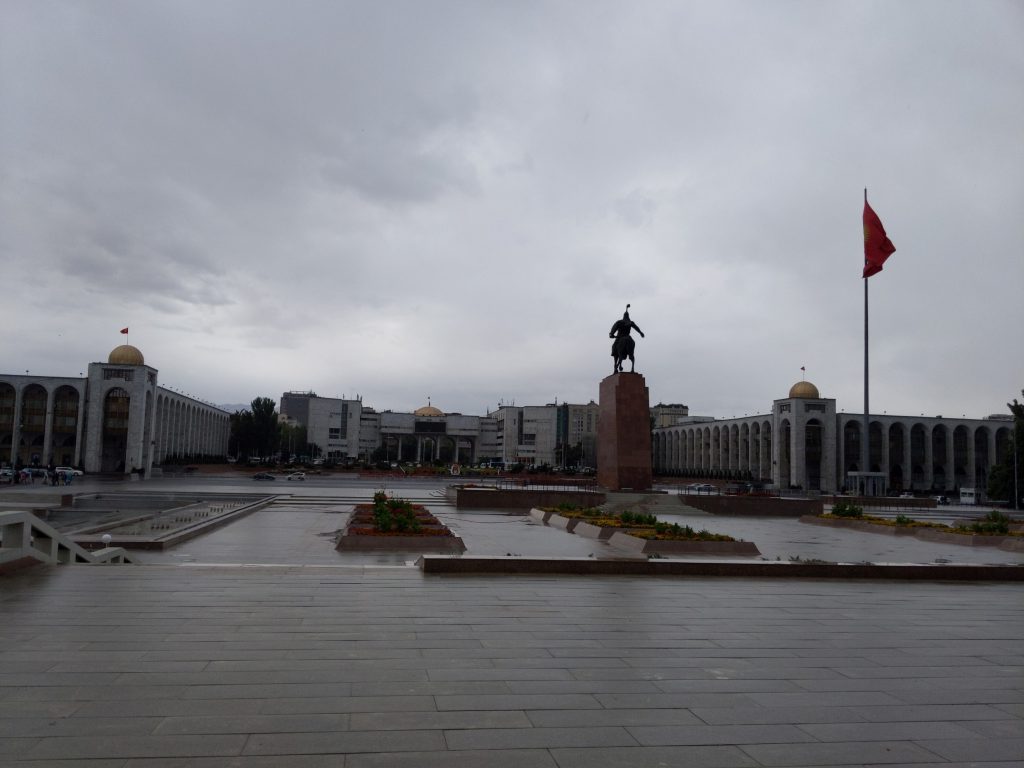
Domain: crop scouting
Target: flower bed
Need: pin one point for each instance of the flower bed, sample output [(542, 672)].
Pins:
[(396, 524), (642, 533), (991, 532)]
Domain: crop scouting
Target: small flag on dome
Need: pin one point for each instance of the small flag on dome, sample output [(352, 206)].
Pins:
[(124, 331)]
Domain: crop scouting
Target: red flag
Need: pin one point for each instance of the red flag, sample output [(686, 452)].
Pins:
[(877, 247), (124, 331)]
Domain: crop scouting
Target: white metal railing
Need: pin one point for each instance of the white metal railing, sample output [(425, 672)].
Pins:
[(25, 538)]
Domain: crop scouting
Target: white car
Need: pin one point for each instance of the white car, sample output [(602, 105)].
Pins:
[(72, 470), (296, 475)]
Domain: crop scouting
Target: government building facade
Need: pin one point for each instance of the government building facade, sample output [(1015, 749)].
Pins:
[(804, 443), (116, 419), (556, 434), (532, 435)]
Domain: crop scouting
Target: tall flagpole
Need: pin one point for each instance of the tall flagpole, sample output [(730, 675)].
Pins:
[(865, 447)]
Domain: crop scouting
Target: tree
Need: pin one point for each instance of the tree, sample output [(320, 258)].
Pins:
[(293, 439), (574, 455), (1007, 477), (266, 429), (255, 432), (243, 435)]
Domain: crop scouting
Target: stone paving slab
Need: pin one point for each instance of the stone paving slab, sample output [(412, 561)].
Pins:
[(654, 757), (168, 666), (839, 753), (511, 758)]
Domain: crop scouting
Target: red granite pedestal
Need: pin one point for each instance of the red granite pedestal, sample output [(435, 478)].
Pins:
[(624, 434)]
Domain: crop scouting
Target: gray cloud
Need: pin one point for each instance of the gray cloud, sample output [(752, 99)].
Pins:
[(461, 198)]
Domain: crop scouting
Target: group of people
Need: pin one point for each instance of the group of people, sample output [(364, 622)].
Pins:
[(51, 476)]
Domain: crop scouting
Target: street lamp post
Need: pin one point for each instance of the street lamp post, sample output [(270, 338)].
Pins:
[(1016, 464)]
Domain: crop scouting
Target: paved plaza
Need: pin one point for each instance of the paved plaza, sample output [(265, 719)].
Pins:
[(257, 645)]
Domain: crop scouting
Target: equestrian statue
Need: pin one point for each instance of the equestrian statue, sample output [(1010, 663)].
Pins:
[(624, 344)]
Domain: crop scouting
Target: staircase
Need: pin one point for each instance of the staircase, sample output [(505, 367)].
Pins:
[(27, 540)]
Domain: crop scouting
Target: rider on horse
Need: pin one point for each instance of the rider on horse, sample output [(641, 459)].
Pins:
[(624, 344)]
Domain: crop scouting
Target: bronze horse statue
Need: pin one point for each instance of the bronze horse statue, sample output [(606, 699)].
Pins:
[(624, 344)]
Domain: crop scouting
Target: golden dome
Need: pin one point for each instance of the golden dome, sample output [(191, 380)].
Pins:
[(126, 354), (428, 410), (804, 390)]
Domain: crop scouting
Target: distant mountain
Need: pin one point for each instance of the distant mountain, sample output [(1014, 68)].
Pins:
[(235, 407)]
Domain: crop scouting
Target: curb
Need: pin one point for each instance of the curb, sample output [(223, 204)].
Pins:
[(509, 566)]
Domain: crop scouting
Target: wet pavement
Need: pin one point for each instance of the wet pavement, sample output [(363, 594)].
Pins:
[(299, 528), (225, 666), (257, 645)]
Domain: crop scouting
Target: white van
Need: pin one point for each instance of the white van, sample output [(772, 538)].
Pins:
[(972, 496)]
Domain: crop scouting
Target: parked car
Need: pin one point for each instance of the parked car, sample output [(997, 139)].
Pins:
[(72, 470), (296, 475), (263, 476), (6, 476), (941, 500)]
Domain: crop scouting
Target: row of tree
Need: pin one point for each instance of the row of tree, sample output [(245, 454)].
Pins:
[(257, 433)]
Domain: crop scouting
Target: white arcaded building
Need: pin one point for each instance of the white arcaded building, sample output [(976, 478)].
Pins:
[(805, 443), (114, 420)]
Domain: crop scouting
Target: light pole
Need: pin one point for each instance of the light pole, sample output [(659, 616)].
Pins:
[(1016, 464)]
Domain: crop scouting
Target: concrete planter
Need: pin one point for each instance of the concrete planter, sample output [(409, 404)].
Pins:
[(591, 531), (565, 523), (754, 506), (623, 540), (540, 515), (965, 539), (620, 537), (575, 525), (720, 548), (859, 525), (682, 547), (362, 543), (429, 540), (1009, 543)]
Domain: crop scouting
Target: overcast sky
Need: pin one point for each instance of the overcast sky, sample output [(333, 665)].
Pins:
[(456, 200)]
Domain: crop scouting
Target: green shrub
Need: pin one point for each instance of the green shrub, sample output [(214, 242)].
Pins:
[(903, 520), (847, 509), (637, 518), (382, 518), (993, 523), (574, 510), (396, 514)]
